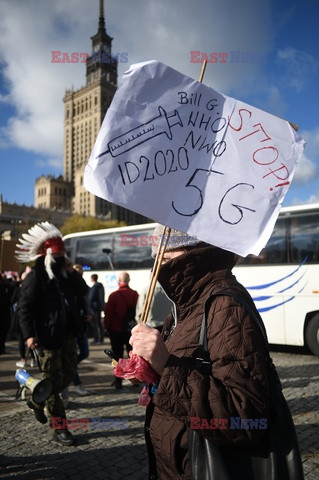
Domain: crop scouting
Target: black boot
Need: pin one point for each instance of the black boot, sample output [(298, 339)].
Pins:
[(64, 437), (38, 412), (118, 383)]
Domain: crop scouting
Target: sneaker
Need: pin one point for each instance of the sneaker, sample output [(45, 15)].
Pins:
[(38, 412), (20, 364), (80, 390), (32, 363), (64, 437)]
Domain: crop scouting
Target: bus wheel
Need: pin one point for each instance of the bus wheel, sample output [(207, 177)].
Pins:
[(312, 335)]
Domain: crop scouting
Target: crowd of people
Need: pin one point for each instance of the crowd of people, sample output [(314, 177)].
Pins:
[(52, 313)]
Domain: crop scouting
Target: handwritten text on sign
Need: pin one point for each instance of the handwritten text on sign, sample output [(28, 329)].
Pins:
[(191, 158)]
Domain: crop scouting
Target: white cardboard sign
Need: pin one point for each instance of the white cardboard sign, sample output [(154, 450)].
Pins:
[(191, 158)]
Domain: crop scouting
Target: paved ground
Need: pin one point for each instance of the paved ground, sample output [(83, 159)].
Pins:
[(109, 452)]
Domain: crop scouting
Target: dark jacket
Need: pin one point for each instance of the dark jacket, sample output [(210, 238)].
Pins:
[(238, 382), (5, 312), (48, 309), (96, 298)]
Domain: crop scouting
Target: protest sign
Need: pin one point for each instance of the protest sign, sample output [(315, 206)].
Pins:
[(191, 158)]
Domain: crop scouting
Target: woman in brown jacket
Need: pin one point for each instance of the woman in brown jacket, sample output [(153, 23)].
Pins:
[(231, 405)]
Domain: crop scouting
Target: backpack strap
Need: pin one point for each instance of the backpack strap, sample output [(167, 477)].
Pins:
[(203, 362), (125, 301), (250, 308)]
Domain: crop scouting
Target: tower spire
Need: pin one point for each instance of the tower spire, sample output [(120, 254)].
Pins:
[(101, 18), (101, 63)]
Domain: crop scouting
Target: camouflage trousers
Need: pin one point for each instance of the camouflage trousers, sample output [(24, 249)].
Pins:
[(59, 365)]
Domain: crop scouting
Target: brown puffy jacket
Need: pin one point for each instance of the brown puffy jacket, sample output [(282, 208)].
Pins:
[(237, 387)]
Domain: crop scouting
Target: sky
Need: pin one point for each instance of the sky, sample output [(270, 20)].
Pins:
[(277, 38)]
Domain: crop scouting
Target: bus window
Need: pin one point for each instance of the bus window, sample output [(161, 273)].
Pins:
[(276, 248), (89, 252), (304, 238), (69, 248), (133, 251), (275, 251)]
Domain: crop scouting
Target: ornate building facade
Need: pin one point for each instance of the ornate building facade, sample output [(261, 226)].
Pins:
[(53, 192), (84, 110)]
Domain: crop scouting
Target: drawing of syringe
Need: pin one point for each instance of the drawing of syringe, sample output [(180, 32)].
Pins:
[(131, 139)]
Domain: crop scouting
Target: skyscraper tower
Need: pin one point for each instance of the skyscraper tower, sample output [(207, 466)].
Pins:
[(84, 111), (101, 64)]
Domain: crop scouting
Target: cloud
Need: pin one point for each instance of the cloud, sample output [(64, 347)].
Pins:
[(169, 31), (298, 67), (54, 163), (36, 85), (275, 103), (4, 98), (313, 198), (306, 170), (311, 138)]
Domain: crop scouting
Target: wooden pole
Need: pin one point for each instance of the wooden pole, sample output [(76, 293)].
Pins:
[(154, 275), (202, 73)]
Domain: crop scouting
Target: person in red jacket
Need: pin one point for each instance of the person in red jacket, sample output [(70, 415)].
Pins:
[(115, 318)]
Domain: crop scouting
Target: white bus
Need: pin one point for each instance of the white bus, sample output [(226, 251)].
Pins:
[(283, 280)]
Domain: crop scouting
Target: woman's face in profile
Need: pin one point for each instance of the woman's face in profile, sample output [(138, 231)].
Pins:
[(173, 254)]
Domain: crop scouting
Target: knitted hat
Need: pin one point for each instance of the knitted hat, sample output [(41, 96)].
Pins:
[(43, 239), (176, 240)]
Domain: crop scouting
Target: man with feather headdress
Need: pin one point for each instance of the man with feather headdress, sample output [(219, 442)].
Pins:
[(48, 313)]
